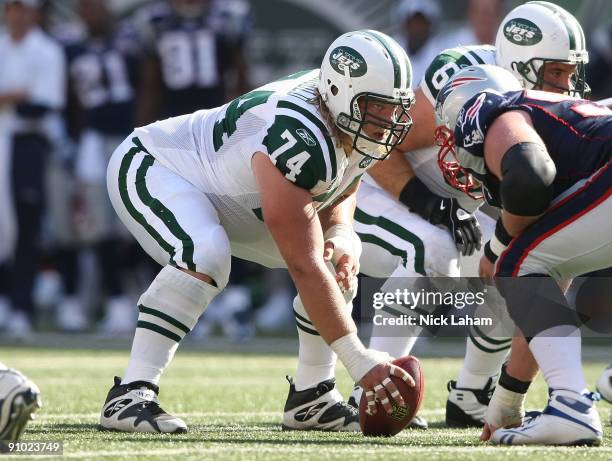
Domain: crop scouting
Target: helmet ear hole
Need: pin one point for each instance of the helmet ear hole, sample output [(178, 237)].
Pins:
[(334, 90)]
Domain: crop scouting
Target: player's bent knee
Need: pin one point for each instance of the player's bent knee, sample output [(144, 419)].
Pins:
[(203, 277), (213, 256)]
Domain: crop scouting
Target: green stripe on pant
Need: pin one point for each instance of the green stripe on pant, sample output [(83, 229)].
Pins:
[(126, 163), (398, 231), (163, 213)]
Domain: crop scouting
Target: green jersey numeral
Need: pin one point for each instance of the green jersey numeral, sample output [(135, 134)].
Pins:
[(225, 127)]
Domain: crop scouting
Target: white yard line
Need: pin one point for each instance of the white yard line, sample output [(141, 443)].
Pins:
[(204, 414), (292, 449)]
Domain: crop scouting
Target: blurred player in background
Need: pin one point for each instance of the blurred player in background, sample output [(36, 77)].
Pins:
[(600, 65), (194, 58), (32, 92), (419, 32), (102, 76), (483, 19), (271, 178), (19, 399), (414, 224), (545, 161)]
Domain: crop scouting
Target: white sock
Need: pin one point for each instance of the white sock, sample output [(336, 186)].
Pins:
[(169, 309), (316, 360), (393, 345), (557, 351), (151, 354), (397, 341), (483, 360)]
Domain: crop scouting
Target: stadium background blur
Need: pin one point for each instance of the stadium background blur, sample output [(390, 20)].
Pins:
[(271, 38)]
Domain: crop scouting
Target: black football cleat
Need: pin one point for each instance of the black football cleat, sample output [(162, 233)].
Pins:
[(134, 407), (319, 408), (466, 407)]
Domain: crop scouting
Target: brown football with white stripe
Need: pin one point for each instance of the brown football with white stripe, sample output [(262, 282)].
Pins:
[(382, 424)]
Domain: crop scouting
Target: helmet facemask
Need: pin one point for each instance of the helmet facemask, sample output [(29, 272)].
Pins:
[(454, 174), (532, 71), (367, 119)]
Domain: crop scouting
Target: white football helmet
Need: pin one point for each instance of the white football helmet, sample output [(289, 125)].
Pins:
[(370, 67), (19, 398), (450, 111), (537, 33)]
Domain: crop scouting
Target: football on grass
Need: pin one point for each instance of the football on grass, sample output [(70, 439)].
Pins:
[(382, 424)]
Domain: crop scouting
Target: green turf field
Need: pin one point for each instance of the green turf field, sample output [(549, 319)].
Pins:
[(232, 403)]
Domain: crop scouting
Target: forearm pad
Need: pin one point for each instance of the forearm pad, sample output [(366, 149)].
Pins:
[(528, 173)]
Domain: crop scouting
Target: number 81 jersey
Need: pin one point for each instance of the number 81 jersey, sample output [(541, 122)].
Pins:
[(213, 148)]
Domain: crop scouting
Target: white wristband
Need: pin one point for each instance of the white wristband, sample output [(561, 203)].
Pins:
[(356, 358), (496, 246)]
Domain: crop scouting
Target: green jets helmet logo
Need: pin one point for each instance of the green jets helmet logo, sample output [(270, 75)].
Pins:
[(345, 57), (522, 32)]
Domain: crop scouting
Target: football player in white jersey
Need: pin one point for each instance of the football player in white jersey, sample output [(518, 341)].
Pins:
[(270, 177), (404, 203), (19, 399)]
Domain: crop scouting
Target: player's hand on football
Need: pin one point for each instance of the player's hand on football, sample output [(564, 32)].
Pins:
[(463, 226), (378, 385), (347, 267)]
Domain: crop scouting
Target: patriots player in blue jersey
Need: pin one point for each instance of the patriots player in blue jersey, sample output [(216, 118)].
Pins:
[(544, 159), (102, 74), (192, 49)]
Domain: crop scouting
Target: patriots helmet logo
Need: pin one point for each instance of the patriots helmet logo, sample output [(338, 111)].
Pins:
[(456, 83)]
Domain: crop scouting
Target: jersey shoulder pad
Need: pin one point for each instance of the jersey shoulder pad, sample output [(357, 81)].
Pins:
[(298, 144), (477, 115), (450, 61)]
